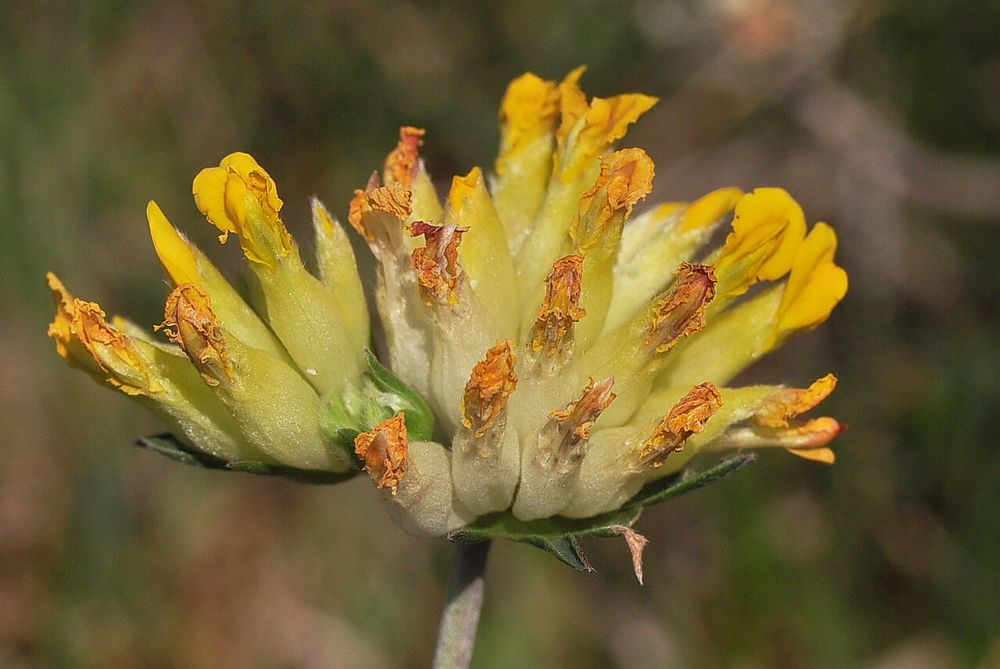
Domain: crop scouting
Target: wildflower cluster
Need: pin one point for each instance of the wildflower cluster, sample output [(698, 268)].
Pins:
[(552, 355)]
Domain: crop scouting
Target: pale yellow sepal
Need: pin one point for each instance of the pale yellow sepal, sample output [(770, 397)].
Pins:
[(379, 214), (414, 477), (626, 178), (338, 270), (276, 410), (484, 252), (307, 320), (462, 324), (552, 456), (649, 226), (158, 377), (486, 456)]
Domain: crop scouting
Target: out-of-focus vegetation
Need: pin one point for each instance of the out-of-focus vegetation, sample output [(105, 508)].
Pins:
[(881, 117)]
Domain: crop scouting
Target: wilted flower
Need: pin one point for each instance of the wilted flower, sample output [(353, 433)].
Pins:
[(555, 360)]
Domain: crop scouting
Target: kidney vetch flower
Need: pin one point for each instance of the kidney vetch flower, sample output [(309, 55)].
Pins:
[(547, 362)]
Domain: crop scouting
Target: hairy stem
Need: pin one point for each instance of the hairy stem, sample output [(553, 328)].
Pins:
[(457, 634)]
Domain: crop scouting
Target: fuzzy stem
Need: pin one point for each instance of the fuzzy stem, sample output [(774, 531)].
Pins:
[(457, 634)]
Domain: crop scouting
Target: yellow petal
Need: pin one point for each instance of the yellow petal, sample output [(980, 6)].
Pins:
[(588, 130), (572, 102), (605, 122), (240, 196), (62, 323), (528, 111), (815, 286), (708, 209), (785, 404), (256, 179), (824, 454), (808, 440), (171, 247), (209, 189), (463, 187), (768, 227)]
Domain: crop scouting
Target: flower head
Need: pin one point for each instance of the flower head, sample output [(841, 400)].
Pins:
[(556, 360)]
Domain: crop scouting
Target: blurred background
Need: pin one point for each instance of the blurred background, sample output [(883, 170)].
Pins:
[(882, 117)]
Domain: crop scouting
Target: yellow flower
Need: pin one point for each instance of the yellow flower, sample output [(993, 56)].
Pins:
[(552, 355)]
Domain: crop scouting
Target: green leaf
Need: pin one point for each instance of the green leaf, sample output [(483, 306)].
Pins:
[(688, 481), (560, 536), (566, 549), (557, 535), (169, 446)]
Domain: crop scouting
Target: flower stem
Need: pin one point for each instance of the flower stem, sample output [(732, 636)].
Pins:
[(457, 634)]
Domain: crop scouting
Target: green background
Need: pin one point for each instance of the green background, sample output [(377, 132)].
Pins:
[(881, 117)]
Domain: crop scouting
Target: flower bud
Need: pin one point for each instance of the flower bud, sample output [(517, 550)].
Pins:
[(185, 263), (486, 457), (275, 408), (484, 252), (240, 197), (665, 236), (162, 381), (622, 460), (415, 478), (585, 132), (528, 116), (550, 463)]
